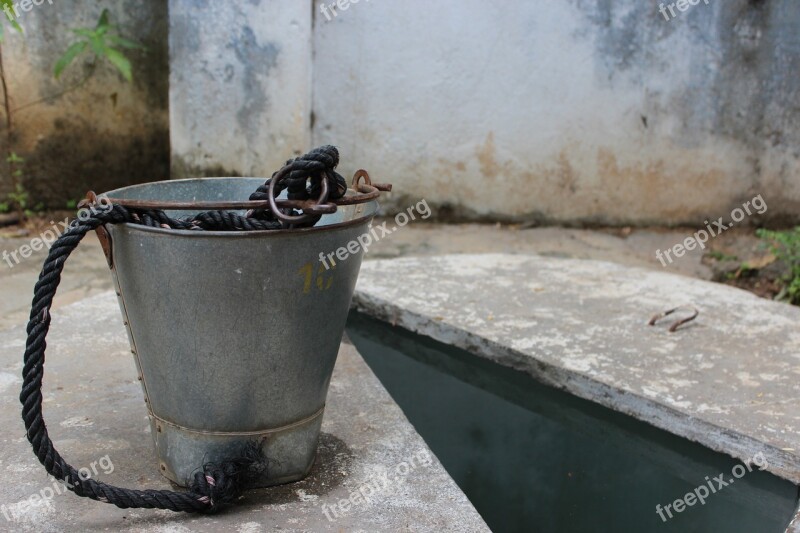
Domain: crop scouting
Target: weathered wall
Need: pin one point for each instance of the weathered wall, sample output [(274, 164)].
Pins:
[(576, 111), (596, 111), (240, 85), (103, 135)]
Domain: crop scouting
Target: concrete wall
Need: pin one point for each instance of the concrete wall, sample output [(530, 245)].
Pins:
[(573, 111), (103, 135), (595, 111), (240, 86)]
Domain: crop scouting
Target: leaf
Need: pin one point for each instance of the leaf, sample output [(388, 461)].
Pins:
[(125, 43), (102, 22), (83, 32), (69, 56), (98, 44), (761, 262), (7, 6), (121, 62)]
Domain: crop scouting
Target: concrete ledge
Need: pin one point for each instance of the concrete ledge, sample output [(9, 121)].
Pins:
[(97, 417), (728, 381), (794, 525)]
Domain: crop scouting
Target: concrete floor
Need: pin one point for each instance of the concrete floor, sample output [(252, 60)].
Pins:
[(87, 273), (97, 418)]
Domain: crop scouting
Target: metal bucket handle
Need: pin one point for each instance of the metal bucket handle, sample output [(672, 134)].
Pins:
[(363, 192), (321, 206)]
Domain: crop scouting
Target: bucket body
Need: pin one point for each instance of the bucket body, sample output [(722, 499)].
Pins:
[(235, 334)]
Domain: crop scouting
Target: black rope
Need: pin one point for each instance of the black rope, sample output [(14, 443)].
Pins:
[(214, 485)]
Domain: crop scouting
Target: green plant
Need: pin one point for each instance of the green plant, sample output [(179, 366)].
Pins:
[(7, 6), (785, 245), (101, 41), (18, 197), (14, 159), (721, 256)]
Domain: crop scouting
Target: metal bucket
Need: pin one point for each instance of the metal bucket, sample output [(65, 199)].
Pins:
[(235, 334)]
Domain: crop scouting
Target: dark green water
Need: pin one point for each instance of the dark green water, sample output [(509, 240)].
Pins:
[(535, 459)]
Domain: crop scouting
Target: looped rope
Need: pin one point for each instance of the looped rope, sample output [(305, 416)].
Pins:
[(303, 178), (214, 485)]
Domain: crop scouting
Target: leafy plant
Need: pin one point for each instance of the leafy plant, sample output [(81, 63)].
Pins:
[(7, 6), (18, 197), (721, 256), (104, 42), (785, 245), (14, 159)]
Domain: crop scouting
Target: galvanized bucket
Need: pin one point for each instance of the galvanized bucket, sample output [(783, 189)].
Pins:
[(235, 334)]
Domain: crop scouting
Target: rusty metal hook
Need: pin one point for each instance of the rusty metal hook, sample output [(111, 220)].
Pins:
[(103, 235), (679, 323)]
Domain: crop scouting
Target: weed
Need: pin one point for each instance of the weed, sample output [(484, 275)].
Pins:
[(721, 256), (18, 197), (101, 41), (104, 42), (785, 245)]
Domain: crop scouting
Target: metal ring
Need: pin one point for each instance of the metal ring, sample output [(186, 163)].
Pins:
[(361, 173), (294, 219)]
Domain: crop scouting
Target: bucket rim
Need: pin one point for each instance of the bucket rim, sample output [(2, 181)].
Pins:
[(371, 209)]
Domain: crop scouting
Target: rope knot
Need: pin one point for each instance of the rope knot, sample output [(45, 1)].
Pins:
[(219, 484), (302, 179)]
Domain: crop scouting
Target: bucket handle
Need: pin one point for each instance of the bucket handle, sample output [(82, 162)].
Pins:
[(362, 193)]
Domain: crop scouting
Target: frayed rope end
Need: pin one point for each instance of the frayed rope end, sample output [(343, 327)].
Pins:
[(221, 484)]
